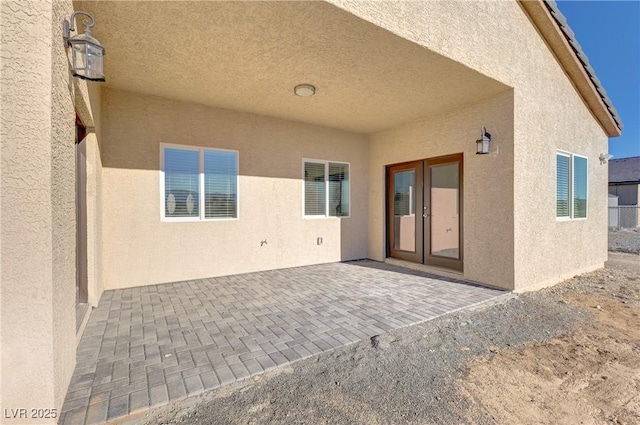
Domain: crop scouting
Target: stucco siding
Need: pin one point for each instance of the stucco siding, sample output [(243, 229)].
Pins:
[(548, 115), (466, 31), (37, 311), (26, 311), (488, 182), (94, 221), (95, 285), (140, 249), (63, 187)]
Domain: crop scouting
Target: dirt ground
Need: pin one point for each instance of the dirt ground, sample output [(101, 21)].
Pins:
[(566, 355), (589, 376), (625, 240)]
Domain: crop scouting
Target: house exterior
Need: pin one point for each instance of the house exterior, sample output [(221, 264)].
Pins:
[(624, 180), (199, 160)]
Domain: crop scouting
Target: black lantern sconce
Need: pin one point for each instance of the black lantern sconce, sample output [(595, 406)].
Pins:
[(483, 142), (86, 51)]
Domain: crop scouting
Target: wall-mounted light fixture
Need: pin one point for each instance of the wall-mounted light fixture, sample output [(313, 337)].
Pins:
[(86, 51), (304, 90), (605, 157), (483, 142)]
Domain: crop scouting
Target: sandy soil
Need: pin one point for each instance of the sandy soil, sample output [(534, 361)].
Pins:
[(566, 355), (590, 376)]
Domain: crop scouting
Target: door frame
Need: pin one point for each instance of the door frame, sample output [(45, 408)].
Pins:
[(423, 224), (416, 256), (435, 260)]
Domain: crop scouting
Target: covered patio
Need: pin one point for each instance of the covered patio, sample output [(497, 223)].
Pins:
[(150, 345)]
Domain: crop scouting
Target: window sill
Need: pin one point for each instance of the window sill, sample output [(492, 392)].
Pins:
[(563, 219), (195, 220), (323, 217)]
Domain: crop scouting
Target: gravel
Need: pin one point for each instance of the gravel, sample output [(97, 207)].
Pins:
[(625, 240), (405, 376)]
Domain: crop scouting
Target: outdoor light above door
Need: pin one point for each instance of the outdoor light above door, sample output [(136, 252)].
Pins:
[(483, 142), (86, 51)]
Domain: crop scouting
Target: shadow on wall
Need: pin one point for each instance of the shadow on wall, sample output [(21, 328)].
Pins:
[(135, 125), (141, 133)]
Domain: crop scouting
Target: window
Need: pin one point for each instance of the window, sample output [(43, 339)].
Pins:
[(326, 189), (563, 190), (571, 186), (579, 187), (198, 183)]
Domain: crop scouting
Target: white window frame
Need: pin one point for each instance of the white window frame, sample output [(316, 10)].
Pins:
[(201, 215), (326, 194), (572, 182)]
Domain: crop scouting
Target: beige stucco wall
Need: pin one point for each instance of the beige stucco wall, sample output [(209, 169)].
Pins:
[(488, 182), (140, 249), (551, 116), (63, 200), (95, 283), (94, 220), (548, 115), (37, 256)]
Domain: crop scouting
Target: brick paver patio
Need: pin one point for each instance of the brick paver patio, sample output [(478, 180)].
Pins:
[(150, 345)]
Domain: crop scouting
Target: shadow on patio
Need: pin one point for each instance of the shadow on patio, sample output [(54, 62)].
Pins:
[(150, 345)]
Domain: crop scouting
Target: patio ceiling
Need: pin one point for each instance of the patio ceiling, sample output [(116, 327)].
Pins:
[(248, 56)]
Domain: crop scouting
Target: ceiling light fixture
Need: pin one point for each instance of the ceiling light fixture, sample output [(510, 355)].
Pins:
[(304, 90)]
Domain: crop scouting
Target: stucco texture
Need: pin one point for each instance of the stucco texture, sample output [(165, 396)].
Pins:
[(488, 182), (548, 115), (140, 249), (248, 56), (93, 104), (37, 311)]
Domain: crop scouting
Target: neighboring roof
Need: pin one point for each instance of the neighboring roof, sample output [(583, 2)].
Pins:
[(553, 27), (624, 170)]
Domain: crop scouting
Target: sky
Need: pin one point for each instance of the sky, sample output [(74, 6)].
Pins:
[(609, 33)]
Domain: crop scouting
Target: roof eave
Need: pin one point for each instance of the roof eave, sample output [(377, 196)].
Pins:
[(623, 183), (569, 54)]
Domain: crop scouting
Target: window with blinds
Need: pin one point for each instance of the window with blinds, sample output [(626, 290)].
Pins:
[(571, 186), (326, 189), (220, 184), (562, 186), (338, 190), (199, 183)]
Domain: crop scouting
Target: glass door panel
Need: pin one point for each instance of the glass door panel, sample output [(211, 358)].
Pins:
[(404, 200), (404, 210), (445, 211)]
